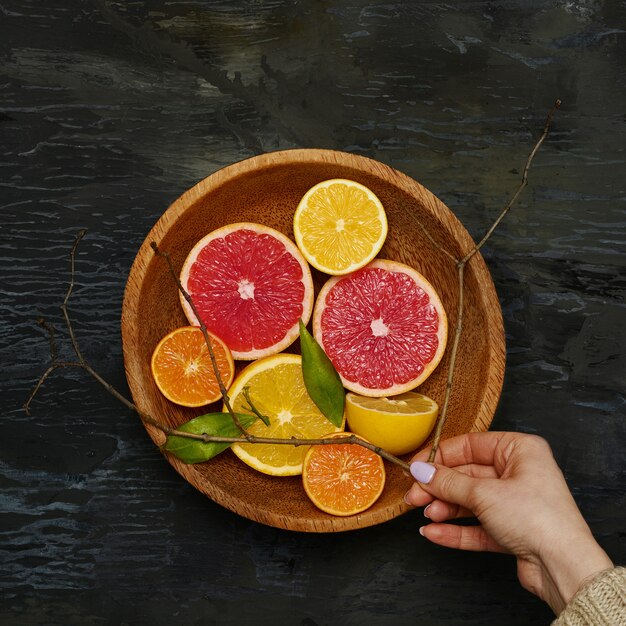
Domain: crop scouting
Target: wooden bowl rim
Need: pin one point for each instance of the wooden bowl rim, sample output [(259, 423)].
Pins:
[(494, 371)]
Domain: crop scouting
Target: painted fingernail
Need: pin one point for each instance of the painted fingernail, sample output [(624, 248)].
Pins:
[(422, 472), (426, 511)]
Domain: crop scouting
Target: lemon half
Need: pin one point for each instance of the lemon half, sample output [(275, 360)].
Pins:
[(398, 424)]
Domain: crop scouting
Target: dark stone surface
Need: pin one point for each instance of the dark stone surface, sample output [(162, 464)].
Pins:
[(110, 110)]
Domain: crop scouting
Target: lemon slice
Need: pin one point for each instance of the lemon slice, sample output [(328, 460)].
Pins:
[(339, 226), (276, 388), (398, 424)]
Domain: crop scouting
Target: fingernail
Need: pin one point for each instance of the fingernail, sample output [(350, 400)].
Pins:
[(422, 472), (421, 529), (406, 498), (426, 511)]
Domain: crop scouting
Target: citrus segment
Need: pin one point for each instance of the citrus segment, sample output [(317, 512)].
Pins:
[(383, 327), (276, 388), (398, 424), (250, 285), (339, 226), (343, 479), (182, 368)]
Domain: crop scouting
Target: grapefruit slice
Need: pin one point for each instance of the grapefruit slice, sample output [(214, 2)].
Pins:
[(250, 285), (182, 368), (383, 327), (343, 479)]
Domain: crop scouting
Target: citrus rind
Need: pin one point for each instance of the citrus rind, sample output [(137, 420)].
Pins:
[(338, 233), (307, 301)]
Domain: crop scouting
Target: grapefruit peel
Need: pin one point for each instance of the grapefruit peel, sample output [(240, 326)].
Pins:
[(251, 285)]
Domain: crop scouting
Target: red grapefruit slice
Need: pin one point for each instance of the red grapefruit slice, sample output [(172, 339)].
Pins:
[(250, 285), (383, 327)]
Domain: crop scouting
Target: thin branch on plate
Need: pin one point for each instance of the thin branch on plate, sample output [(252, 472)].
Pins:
[(460, 265), (250, 438), (246, 437), (207, 340)]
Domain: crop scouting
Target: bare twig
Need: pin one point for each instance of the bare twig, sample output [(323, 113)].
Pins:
[(460, 265), (246, 437), (207, 339)]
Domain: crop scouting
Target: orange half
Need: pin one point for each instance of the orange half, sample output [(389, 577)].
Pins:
[(343, 479), (182, 368)]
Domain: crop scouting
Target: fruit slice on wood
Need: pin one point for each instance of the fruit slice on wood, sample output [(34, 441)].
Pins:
[(343, 479), (276, 388), (340, 226), (398, 424), (182, 369), (250, 285), (383, 327)]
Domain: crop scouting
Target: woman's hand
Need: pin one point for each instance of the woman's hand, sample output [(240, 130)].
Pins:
[(512, 484)]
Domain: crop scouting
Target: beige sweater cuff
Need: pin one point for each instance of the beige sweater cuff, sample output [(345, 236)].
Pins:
[(601, 602)]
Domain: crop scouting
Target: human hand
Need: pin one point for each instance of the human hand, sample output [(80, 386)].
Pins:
[(512, 484)]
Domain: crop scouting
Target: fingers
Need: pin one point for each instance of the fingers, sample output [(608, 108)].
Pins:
[(439, 511), (418, 497), (447, 484), (469, 448), (460, 537)]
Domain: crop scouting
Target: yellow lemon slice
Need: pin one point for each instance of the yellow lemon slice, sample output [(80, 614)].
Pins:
[(398, 424), (339, 226), (276, 388)]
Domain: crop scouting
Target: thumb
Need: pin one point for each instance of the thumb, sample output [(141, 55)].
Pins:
[(445, 483)]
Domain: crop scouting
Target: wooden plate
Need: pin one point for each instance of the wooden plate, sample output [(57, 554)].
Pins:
[(267, 189)]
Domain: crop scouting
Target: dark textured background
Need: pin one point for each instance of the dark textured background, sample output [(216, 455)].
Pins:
[(110, 110)]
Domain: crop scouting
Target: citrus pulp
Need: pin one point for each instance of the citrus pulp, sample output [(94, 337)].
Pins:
[(343, 479), (250, 286), (398, 424), (182, 369), (340, 226), (276, 389), (383, 327)]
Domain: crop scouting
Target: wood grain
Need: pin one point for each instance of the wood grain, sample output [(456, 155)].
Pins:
[(266, 189)]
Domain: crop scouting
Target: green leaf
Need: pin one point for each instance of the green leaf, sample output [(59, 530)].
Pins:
[(321, 378), (213, 424)]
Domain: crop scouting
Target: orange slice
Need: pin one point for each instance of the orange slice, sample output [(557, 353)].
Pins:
[(342, 479), (182, 369)]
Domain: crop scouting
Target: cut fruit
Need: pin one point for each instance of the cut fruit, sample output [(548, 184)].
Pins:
[(182, 369), (343, 479), (250, 285), (398, 425), (276, 388), (339, 226), (383, 327)]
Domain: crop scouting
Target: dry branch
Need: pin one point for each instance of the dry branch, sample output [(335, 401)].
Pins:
[(55, 363)]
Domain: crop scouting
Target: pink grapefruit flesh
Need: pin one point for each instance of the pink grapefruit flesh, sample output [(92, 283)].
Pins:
[(250, 285), (383, 327)]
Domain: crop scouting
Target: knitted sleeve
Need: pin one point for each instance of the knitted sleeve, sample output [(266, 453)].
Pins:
[(602, 602)]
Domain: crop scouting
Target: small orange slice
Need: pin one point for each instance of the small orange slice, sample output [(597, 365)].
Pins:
[(182, 369), (343, 479)]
